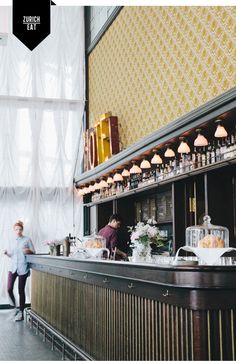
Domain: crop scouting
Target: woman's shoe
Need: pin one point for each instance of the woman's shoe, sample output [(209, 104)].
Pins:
[(19, 316), (16, 310)]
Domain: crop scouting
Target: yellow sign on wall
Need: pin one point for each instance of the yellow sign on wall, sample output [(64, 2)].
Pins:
[(101, 141)]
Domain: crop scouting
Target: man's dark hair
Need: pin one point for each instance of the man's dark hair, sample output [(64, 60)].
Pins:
[(115, 217)]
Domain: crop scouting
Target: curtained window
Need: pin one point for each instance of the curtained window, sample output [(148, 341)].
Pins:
[(41, 134)]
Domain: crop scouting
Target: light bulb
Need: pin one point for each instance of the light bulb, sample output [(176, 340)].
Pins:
[(145, 164), (125, 173), (156, 159), (183, 147)]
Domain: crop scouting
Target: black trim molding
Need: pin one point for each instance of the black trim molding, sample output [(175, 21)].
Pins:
[(104, 28)]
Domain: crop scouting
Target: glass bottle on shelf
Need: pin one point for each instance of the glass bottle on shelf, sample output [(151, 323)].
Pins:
[(227, 153), (218, 151), (199, 157), (113, 189), (174, 167), (161, 176), (234, 142), (165, 172), (223, 148), (152, 176), (110, 190), (181, 165), (203, 156), (232, 147), (170, 169), (106, 193), (119, 188), (157, 173), (194, 158), (128, 183), (213, 153), (187, 162), (208, 154)]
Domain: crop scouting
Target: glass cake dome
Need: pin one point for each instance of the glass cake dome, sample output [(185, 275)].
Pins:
[(207, 235), (94, 241)]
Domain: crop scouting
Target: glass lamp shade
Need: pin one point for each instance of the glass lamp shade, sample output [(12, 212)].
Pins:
[(220, 131), (200, 141), (103, 184), (110, 180), (183, 148), (169, 153), (156, 159), (91, 188), (96, 186), (135, 169), (125, 173), (80, 192), (145, 164), (118, 177)]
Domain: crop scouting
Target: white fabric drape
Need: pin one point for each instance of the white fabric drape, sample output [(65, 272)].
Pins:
[(39, 137), (53, 68)]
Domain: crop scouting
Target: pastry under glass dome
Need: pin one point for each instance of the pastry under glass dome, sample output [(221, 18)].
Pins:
[(207, 235)]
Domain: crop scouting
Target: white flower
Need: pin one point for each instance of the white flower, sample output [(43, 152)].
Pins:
[(53, 242), (151, 221), (134, 236), (152, 232)]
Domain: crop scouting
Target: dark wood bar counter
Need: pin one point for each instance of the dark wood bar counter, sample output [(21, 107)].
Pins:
[(130, 311)]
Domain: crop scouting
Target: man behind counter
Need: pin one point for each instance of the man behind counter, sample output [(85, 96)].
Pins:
[(110, 233)]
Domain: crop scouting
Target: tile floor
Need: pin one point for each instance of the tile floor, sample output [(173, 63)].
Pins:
[(18, 342)]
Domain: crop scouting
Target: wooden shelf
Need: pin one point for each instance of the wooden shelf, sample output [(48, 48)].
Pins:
[(194, 119), (200, 170)]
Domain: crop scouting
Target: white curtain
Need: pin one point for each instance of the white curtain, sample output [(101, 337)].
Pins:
[(41, 134), (53, 68)]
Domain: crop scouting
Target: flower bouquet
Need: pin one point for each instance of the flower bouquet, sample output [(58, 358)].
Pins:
[(143, 235), (54, 246)]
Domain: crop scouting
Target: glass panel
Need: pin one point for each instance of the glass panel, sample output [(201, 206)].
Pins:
[(153, 208), (145, 210), (164, 207), (138, 212)]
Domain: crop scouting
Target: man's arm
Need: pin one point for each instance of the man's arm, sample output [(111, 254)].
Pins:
[(114, 242)]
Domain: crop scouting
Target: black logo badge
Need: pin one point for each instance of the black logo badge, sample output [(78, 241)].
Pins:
[(31, 21)]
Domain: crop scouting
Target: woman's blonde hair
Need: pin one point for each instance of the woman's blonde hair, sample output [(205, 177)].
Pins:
[(19, 224)]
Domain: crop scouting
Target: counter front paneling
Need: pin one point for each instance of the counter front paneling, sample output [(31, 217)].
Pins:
[(126, 311)]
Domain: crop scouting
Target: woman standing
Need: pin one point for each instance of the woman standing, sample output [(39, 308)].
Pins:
[(17, 252)]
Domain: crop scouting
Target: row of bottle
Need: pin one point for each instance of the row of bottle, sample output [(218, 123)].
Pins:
[(200, 157)]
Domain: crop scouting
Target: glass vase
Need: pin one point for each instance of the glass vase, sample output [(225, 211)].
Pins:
[(142, 253)]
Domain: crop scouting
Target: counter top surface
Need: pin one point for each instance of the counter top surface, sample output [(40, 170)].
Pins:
[(197, 287), (179, 276)]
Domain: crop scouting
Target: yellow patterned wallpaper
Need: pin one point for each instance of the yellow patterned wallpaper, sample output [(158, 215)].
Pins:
[(155, 64)]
